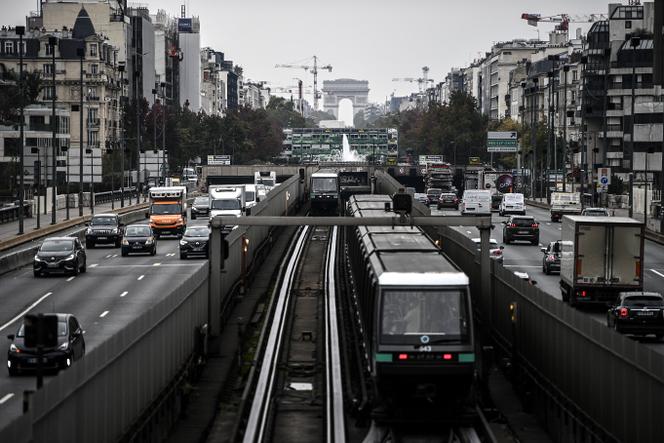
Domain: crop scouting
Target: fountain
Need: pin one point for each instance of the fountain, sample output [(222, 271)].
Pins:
[(347, 154)]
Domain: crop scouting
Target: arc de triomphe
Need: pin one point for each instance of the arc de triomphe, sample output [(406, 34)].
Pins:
[(336, 90)]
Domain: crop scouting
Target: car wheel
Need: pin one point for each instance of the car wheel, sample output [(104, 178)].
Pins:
[(89, 244), (84, 268), (615, 327), (118, 243), (535, 241), (193, 216), (76, 269), (12, 372), (124, 253), (154, 251), (183, 256), (37, 274), (659, 336)]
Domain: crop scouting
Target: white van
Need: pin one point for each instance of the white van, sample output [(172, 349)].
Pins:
[(476, 201), (513, 203)]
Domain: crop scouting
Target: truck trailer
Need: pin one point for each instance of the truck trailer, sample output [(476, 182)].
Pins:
[(600, 257)]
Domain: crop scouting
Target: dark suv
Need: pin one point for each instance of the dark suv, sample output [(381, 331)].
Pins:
[(104, 228), (64, 255), (200, 207), (521, 228), (551, 259)]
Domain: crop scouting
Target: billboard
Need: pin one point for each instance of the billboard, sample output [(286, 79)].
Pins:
[(185, 25)]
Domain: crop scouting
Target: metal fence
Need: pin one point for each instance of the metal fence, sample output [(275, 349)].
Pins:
[(11, 213), (595, 384), (99, 397)]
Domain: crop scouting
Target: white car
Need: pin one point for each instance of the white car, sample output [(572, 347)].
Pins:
[(495, 251), (513, 203)]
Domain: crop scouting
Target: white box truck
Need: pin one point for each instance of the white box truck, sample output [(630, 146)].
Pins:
[(565, 203), (600, 257), (227, 200)]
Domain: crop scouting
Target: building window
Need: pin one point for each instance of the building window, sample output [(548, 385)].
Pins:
[(9, 47), (94, 69), (575, 75), (48, 69), (49, 48), (93, 50), (628, 24), (49, 92)]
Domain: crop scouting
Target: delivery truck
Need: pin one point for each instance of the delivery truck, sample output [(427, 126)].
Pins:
[(565, 203), (600, 257), (168, 210)]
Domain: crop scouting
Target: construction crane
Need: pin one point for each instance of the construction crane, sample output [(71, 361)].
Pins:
[(563, 20), (422, 82), (313, 69)]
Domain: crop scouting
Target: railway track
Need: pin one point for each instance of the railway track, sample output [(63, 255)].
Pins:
[(297, 394)]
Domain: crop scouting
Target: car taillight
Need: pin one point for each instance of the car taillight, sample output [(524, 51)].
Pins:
[(534, 225), (624, 312), (403, 356), (512, 225), (496, 252), (447, 356)]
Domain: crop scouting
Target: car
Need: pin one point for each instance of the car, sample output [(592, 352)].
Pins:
[(521, 227), (200, 207), (69, 348), (495, 251), (551, 258), (63, 255), (638, 313), (596, 212), (138, 238), (421, 197), (104, 228), (195, 242), (448, 200), (432, 195)]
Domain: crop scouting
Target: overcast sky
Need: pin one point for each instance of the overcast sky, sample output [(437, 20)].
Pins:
[(373, 40)]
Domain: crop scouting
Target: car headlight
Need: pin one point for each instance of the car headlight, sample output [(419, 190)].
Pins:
[(70, 257), (13, 348), (88, 231), (183, 242), (125, 242), (115, 230), (64, 346), (37, 258), (149, 241)]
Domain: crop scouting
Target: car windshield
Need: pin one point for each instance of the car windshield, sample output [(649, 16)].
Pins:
[(250, 196), (328, 184), (417, 313), (642, 301), (57, 246), (62, 329), (138, 231), (103, 221), (200, 231), (231, 204), (165, 209), (202, 201), (434, 191)]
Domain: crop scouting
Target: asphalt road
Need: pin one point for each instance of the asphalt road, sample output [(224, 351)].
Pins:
[(524, 257), (114, 291)]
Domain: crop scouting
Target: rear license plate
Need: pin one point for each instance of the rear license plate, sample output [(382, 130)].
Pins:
[(524, 232), (646, 314), (101, 238)]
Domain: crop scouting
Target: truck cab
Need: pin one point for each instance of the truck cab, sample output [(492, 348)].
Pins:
[(227, 200), (565, 203), (168, 210)]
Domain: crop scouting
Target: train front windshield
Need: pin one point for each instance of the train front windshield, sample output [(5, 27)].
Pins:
[(408, 316), (324, 184)]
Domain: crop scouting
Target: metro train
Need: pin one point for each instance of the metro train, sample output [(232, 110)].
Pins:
[(414, 308), (324, 192)]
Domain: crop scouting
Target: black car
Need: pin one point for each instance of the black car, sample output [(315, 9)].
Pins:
[(104, 229), (63, 255), (432, 195), (519, 227), (551, 258), (200, 207), (70, 347), (448, 200), (195, 241), (138, 238), (637, 313)]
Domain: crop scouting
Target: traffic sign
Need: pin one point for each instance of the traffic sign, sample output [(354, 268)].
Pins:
[(502, 141), (603, 179), (218, 160)]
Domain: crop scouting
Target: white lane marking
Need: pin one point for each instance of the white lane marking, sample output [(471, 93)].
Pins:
[(522, 266), (103, 314), (548, 224), (115, 255), (109, 256), (71, 278), (93, 265), (170, 254), (124, 293), (156, 264), (658, 273), (6, 397), (560, 229), (26, 311), (468, 232), (141, 277)]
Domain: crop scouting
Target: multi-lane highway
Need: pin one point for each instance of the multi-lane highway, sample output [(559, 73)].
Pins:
[(112, 292), (524, 257)]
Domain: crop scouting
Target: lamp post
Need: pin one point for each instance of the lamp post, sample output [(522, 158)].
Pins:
[(565, 71), (37, 182), (90, 150), (67, 185), (121, 69), (163, 132), (522, 157), (584, 154), (80, 52), (20, 31), (139, 184), (634, 41), (155, 149), (53, 41)]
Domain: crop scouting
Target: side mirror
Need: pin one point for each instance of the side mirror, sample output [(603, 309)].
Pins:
[(533, 282), (502, 247), (11, 336)]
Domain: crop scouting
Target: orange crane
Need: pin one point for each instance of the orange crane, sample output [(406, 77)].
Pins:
[(563, 20), (312, 68)]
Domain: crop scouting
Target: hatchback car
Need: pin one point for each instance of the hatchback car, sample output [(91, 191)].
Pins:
[(69, 348), (421, 197), (63, 255), (200, 207), (138, 238), (521, 228), (551, 258), (638, 313), (495, 251), (195, 242), (432, 196), (104, 229), (448, 200)]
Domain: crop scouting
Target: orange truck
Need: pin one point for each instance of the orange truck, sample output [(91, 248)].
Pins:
[(168, 210)]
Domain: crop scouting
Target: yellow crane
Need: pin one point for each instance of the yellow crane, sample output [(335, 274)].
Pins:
[(313, 69)]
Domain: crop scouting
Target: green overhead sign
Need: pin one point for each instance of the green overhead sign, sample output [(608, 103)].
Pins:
[(506, 141)]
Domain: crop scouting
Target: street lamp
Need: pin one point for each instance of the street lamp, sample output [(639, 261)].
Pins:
[(163, 132), (66, 149), (53, 41), (565, 71), (90, 151), (20, 31), (80, 53), (37, 181), (634, 41), (121, 69)]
